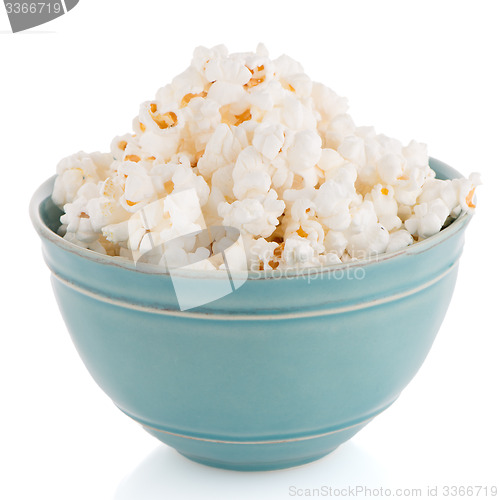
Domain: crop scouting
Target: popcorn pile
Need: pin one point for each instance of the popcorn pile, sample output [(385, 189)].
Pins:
[(265, 150)]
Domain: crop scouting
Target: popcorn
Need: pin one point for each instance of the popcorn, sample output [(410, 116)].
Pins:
[(243, 141), (352, 148), (466, 193), (336, 196), (336, 130), (229, 70), (76, 219), (330, 160), (222, 149), (250, 176), (305, 151), (310, 229), (399, 240), (226, 93), (385, 206), (298, 252), (268, 140), (328, 103), (390, 168), (365, 235), (256, 216), (75, 171), (428, 218), (296, 116), (285, 66), (185, 178), (139, 190), (261, 254), (335, 243), (235, 256)]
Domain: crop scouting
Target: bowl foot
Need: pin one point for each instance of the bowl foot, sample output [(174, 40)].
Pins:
[(262, 455), (254, 467)]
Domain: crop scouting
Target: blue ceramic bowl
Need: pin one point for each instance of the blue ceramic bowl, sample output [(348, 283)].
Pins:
[(276, 374)]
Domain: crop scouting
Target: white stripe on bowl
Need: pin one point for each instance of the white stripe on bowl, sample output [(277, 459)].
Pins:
[(228, 316)]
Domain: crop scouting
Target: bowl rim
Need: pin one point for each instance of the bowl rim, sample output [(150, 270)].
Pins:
[(45, 189)]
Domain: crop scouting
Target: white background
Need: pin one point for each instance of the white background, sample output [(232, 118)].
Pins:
[(422, 70)]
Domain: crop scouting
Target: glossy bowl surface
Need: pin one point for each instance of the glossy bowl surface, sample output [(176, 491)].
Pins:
[(275, 374)]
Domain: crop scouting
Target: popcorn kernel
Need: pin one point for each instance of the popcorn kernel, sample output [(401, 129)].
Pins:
[(301, 232), (469, 198), (133, 158), (243, 117), (165, 121), (168, 185), (188, 98)]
